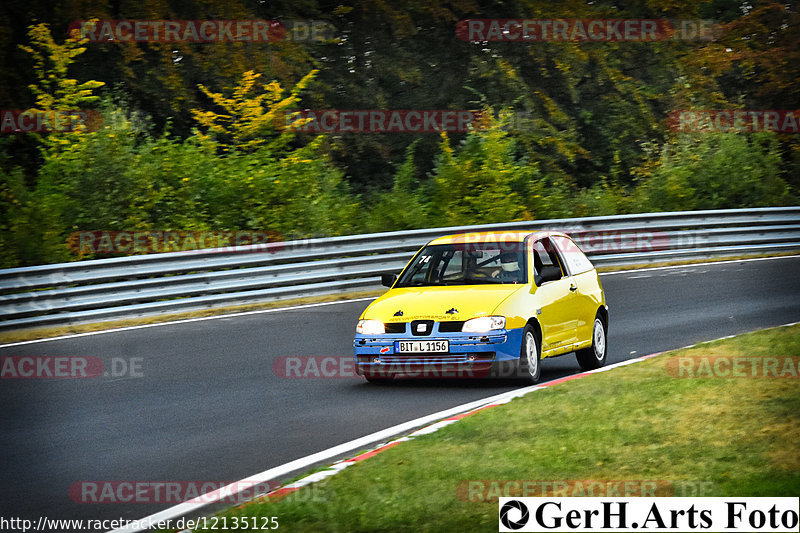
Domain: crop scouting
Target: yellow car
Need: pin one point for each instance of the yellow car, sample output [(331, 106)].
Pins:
[(474, 302)]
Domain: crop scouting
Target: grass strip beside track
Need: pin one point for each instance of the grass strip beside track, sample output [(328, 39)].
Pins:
[(707, 436)]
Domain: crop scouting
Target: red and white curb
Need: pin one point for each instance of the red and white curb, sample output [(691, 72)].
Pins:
[(504, 398), (424, 426)]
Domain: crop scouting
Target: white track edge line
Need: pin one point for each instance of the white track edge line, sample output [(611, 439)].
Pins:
[(185, 321), (350, 446), (307, 461), (305, 306), (698, 264)]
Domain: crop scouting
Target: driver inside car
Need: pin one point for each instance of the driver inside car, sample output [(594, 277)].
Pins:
[(509, 268)]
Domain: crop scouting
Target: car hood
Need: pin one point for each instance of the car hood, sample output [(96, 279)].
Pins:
[(439, 303)]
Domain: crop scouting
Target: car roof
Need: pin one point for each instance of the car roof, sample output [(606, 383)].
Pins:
[(490, 236)]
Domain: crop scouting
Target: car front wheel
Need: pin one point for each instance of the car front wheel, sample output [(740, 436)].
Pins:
[(530, 363), (595, 355)]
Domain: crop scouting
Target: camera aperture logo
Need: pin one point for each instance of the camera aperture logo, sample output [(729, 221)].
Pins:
[(514, 514)]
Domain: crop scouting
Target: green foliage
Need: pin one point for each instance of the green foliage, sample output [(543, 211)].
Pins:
[(256, 184), (15, 217), (404, 206), (576, 129), (121, 179), (736, 436), (484, 180), (252, 116), (715, 171), (299, 195), (603, 199), (54, 90)]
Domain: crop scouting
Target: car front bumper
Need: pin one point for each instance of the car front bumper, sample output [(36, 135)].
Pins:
[(469, 353)]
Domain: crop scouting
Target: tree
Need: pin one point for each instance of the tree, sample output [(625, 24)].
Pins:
[(695, 172), (484, 180)]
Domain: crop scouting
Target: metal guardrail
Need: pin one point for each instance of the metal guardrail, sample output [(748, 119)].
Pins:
[(142, 285)]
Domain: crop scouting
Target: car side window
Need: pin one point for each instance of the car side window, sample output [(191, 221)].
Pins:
[(545, 255), (577, 262)]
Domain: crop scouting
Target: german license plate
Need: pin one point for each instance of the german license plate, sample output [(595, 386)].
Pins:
[(421, 346)]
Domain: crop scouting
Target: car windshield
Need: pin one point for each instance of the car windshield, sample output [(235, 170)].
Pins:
[(467, 264)]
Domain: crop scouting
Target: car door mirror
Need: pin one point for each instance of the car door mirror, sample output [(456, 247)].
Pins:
[(387, 280), (549, 273)]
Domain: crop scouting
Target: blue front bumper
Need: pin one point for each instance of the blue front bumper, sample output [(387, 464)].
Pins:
[(375, 354)]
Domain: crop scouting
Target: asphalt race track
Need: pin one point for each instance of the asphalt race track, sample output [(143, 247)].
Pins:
[(208, 405)]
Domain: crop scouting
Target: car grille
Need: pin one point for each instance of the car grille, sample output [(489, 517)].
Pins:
[(395, 327), (451, 327)]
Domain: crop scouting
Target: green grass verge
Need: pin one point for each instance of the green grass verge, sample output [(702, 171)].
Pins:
[(729, 436)]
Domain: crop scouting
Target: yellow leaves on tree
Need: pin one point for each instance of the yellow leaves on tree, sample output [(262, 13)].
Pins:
[(55, 91), (253, 114)]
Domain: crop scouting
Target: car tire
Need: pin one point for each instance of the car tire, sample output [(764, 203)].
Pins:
[(595, 356), (530, 360)]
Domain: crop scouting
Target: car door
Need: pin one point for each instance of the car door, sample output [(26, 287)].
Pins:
[(554, 300), (583, 279)]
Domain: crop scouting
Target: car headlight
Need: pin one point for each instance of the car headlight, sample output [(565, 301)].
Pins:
[(370, 327), (484, 324)]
